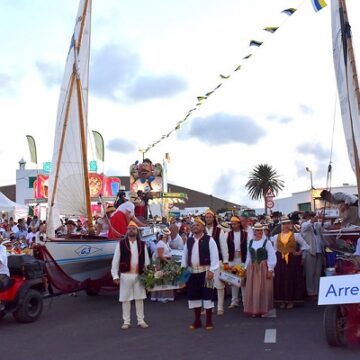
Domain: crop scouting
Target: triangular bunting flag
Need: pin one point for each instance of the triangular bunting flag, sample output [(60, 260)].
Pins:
[(271, 29), (255, 43), (289, 11)]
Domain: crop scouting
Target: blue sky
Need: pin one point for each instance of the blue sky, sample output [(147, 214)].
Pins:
[(149, 62)]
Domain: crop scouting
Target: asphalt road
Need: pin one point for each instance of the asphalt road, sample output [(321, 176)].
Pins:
[(89, 328)]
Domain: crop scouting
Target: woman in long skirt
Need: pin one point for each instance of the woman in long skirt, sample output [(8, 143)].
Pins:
[(289, 282), (260, 264)]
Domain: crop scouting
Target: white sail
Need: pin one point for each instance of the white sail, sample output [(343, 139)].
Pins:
[(345, 81), (66, 182)]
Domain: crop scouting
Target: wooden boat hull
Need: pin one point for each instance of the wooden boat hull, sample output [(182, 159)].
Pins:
[(83, 257)]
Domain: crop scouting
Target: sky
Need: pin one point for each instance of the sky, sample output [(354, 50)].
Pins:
[(149, 62)]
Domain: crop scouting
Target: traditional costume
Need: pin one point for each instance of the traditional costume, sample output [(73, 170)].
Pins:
[(129, 261), (200, 256), (237, 249), (260, 262), (214, 231), (289, 282)]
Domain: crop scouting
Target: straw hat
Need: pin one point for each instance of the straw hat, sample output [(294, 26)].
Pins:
[(285, 219), (235, 219), (165, 231), (258, 226)]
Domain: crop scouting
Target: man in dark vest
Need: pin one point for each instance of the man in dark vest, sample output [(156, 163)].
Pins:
[(201, 257), (237, 247), (212, 229), (130, 259)]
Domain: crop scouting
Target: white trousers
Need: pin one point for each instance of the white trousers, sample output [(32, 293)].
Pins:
[(126, 311), (131, 288), (220, 296), (206, 304)]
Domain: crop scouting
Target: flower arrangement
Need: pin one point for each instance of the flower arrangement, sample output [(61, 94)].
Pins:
[(167, 273), (238, 270)]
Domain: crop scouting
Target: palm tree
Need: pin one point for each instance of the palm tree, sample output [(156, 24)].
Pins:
[(261, 179)]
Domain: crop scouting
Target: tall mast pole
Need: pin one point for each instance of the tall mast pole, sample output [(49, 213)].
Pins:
[(349, 51), (80, 102)]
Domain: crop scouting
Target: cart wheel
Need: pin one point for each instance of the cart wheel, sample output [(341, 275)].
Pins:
[(334, 325), (30, 308)]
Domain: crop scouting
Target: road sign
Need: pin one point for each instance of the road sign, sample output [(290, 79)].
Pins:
[(269, 204), (269, 193)]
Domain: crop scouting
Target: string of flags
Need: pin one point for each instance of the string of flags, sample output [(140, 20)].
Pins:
[(317, 4)]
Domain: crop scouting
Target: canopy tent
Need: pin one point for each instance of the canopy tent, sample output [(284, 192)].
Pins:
[(13, 209)]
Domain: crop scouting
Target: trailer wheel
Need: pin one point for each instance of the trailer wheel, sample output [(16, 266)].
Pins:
[(30, 308), (334, 325), (92, 290)]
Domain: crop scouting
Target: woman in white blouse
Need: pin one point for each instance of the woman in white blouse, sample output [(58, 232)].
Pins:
[(161, 255), (259, 265)]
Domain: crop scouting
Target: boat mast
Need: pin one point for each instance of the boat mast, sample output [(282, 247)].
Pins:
[(80, 102), (349, 50)]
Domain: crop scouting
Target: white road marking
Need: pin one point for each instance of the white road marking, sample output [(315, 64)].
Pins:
[(270, 336)]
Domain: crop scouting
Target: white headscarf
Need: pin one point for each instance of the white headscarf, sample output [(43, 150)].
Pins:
[(127, 206)]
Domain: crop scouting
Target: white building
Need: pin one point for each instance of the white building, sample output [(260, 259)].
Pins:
[(25, 182)]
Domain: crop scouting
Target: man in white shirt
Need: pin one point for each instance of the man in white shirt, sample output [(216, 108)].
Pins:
[(201, 257), (175, 241), (130, 259), (237, 240)]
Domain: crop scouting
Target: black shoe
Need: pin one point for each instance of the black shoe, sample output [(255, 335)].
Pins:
[(2, 307)]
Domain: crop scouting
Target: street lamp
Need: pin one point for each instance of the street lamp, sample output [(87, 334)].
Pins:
[(312, 187), (311, 178)]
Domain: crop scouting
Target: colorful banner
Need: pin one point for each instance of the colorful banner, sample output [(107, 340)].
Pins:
[(99, 145), (32, 148), (99, 185)]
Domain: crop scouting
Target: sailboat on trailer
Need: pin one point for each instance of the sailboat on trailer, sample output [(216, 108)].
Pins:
[(349, 98), (80, 256)]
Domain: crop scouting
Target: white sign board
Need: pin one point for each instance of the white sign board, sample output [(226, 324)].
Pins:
[(340, 289), (230, 278)]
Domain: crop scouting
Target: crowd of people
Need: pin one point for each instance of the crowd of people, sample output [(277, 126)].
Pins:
[(283, 257)]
